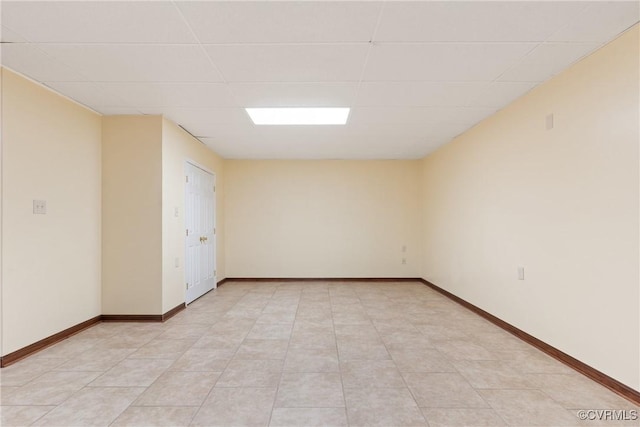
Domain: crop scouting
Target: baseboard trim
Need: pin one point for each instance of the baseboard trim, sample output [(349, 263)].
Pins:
[(586, 370), (175, 310), (143, 317), (221, 282), (131, 318), (19, 354), (321, 279)]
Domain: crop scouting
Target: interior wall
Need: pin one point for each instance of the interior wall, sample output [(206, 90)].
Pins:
[(562, 203), (322, 218), (178, 147), (51, 263), (132, 219)]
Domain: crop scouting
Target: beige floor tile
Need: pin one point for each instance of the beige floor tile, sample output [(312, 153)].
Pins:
[(350, 318), (177, 388), (308, 417), (262, 349), (300, 359), (149, 416), (96, 360), (533, 361), (378, 397), (26, 370), (422, 361), (310, 390), (133, 373), (236, 407), (356, 350), (163, 349), (91, 406), (385, 416), (313, 350), (251, 373), (575, 391), (19, 416), (528, 408), (407, 340), (277, 317), (440, 331), (370, 373), (51, 388), (184, 331), (492, 374), (359, 331), (68, 348), (313, 340), (463, 350), (443, 390), (198, 359), (477, 417), (270, 331)]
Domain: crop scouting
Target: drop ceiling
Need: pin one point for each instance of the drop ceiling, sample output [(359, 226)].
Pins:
[(415, 74)]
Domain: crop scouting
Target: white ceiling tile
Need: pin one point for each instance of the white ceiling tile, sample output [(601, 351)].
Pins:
[(425, 116), (36, 64), (331, 94), (478, 21), (97, 21), (204, 121), (126, 62), (547, 60), (499, 94), (179, 94), (289, 63), (418, 94), (281, 22), (7, 35), (117, 111), (600, 22), (442, 61), (91, 94)]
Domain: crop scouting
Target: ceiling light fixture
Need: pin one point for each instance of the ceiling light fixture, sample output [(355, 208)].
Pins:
[(298, 116)]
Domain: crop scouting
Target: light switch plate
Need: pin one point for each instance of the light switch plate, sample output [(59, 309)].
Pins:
[(39, 207)]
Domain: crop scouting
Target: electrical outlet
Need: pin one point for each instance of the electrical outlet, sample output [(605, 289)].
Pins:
[(177, 262), (176, 212), (549, 121), (404, 261), (39, 207), (520, 273)]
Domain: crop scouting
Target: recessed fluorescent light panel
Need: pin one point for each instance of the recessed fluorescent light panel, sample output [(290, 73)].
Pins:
[(298, 116)]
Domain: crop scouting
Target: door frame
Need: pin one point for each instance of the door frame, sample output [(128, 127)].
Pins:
[(189, 162)]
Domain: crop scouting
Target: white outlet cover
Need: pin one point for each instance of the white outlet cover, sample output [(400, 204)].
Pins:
[(39, 207)]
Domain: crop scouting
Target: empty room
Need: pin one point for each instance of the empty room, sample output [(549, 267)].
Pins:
[(320, 213)]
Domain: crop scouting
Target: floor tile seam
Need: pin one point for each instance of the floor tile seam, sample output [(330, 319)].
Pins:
[(275, 396), (394, 364), (214, 384)]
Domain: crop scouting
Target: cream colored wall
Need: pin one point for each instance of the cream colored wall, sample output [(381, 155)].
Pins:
[(132, 219), (322, 218), (563, 203), (178, 147), (51, 263)]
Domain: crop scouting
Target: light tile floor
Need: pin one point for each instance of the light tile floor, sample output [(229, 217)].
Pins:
[(302, 354)]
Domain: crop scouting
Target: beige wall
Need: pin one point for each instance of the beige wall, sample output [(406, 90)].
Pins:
[(563, 203), (132, 220), (178, 147), (322, 218), (51, 263)]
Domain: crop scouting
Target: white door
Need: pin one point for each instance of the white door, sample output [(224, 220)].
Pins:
[(200, 222)]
